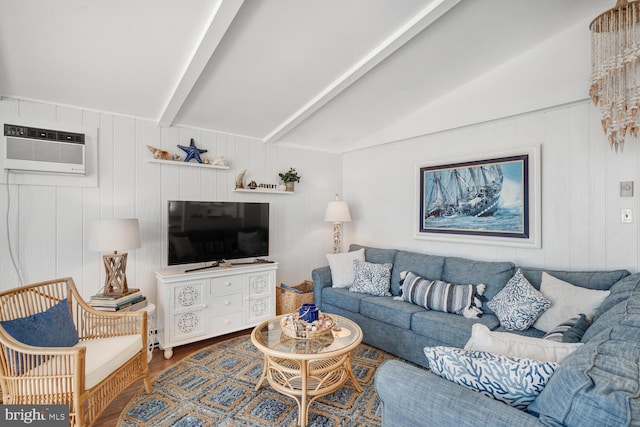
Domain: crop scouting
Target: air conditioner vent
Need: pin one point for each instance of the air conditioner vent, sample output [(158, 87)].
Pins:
[(43, 150)]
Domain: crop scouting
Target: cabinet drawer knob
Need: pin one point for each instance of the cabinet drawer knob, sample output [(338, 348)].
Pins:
[(228, 283), (227, 302), (227, 321)]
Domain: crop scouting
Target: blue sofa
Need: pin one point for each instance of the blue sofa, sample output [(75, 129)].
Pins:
[(597, 385)]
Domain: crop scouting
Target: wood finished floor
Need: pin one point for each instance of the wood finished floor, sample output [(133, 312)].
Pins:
[(109, 417)]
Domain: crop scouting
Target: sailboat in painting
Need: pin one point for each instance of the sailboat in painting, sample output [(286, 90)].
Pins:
[(472, 191)]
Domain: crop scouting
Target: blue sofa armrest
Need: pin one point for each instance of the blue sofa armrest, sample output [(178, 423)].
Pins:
[(413, 396), (321, 279)]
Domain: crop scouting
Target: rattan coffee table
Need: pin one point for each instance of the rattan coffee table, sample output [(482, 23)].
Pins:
[(306, 369)]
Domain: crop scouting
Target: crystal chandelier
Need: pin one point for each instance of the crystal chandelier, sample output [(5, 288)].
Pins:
[(615, 51)]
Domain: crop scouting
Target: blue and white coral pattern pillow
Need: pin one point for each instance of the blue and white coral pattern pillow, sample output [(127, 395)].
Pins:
[(512, 380), (370, 278), (441, 296), (518, 304)]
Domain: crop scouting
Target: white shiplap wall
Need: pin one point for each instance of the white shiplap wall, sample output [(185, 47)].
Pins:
[(580, 178), (48, 223)]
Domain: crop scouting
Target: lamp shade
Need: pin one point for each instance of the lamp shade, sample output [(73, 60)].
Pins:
[(108, 235), (337, 211)]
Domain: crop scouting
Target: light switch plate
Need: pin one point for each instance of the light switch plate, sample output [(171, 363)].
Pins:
[(626, 189), (626, 215)]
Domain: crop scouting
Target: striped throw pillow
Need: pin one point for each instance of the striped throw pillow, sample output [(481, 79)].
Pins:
[(570, 330), (441, 296)]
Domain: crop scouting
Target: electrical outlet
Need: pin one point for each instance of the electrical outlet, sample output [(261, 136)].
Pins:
[(626, 215)]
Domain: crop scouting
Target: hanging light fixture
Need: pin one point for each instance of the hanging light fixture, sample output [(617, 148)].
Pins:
[(615, 52)]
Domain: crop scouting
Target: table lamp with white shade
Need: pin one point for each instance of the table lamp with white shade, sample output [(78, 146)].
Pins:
[(337, 212), (113, 235)]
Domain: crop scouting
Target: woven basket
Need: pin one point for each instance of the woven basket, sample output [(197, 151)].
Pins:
[(288, 327), (288, 301)]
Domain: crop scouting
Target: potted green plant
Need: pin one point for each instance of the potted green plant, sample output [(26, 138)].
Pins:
[(289, 178)]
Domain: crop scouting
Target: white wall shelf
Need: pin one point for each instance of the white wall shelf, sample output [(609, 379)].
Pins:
[(263, 190), (181, 163)]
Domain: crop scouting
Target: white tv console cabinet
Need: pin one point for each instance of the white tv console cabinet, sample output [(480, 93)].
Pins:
[(202, 304)]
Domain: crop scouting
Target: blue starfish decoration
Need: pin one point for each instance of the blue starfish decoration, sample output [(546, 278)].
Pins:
[(192, 151)]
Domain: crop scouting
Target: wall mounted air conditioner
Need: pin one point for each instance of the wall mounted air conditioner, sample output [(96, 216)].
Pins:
[(43, 150)]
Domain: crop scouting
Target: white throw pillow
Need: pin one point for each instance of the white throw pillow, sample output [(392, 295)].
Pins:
[(510, 344), (342, 267), (567, 301)]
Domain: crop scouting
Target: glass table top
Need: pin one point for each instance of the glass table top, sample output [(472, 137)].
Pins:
[(269, 334)]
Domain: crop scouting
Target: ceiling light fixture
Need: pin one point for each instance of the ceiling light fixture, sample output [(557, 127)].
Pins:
[(615, 53)]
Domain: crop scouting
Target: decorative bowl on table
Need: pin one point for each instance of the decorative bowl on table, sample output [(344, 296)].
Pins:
[(294, 326)]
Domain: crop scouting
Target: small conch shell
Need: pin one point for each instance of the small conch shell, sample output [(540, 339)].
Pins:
[(159, 154)]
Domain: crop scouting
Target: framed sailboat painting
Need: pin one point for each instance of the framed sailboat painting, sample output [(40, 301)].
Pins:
[(492, 199)]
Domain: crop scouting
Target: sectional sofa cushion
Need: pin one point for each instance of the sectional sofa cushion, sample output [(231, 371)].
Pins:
[(600, 280), (599, 382), (621, 291), (376, 255), (494, 275), (514, 381), (342, 298), (447, 329), (429, 266), (567, 301), (387, 310), (510, 344)]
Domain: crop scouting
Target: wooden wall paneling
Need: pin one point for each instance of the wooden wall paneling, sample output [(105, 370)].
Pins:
[(578, 185), (37, 252), (225, 179), (313, 202), (9, 193), (69, 116), (9, 107), (170, 181), (68, 235), (287, 216), (209, 176), (555, 186), (530, 131), (149, 209), (190, 178), (124, 166), (124, 177), (257, 156), (622, 243), (9, 199), (37, 111), (105, 165), (241, 149), (598, 148), (91, 279)]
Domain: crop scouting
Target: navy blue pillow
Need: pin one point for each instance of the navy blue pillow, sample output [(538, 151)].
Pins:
[(51, 328)]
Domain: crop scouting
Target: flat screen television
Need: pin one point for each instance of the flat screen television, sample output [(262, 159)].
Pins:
[(215, 231)]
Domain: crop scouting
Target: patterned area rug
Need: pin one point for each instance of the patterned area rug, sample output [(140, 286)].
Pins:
[(215, 387)]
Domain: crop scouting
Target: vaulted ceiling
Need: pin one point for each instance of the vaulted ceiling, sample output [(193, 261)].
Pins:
[(322, 74)]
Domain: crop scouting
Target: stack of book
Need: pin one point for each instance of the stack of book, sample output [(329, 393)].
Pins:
[(131, 301)]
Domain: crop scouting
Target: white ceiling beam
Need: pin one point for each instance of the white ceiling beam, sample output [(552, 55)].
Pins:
[(422, 20), (219, 22)]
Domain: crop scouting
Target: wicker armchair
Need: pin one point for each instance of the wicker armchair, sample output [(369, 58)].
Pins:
[(116, 344)]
